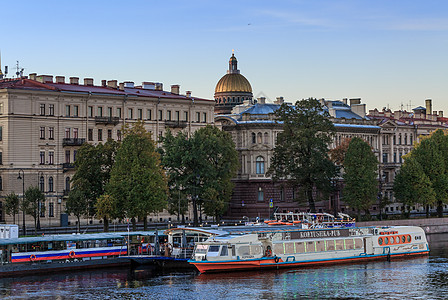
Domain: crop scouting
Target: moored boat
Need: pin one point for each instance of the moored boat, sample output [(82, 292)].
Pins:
[(289, 247)]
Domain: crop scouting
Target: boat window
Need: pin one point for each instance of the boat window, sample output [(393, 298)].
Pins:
[(300, 247), (255, 250), (340, 245), (403, 239), (233, 250), (409, 238), (289, 248), (386, 240), (278, 248), (391, 239), (201, 248), (349, 244), (320, 246), (380, 241), (358, 244), (397, 239), (243, 250), (224, 251), (213, 248), (330, 245), (310, 247)]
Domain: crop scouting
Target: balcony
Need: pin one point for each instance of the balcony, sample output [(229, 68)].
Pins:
[(176, 124), (67, 167), (73, 142), (107, 120)]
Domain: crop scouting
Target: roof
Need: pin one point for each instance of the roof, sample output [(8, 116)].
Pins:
[(233, 82), (262, 109)]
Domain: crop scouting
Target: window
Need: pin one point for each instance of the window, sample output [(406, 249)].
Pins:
[(100, 134), (260, 165), (254, 138), (198, 117), (42, 133), (400, 158), (160, 115), (100, 111), (67, 156), (410, 139), (90, 111), (90, 134), (1, 158), (204, 117), (42, 183), (259, 138), (130, 113), (149, 114), (384, 157), (67, 110), (67, 184), (140, 113), (42, 157), (109, 111), (51, 133), (51, 210), (50, 184), (266, 138), (177, 115), (42, 109), (51, 107), (75, 133), (74, 155), (186, 116), (1, 183), (168, 115), (67, 133), (395, 157), (119, 112), (119, 135), (109, 134), (76, 111), (399, 139), (282, 195), (405, 138), (1, 133), (42, 209), (1, 108), (51, 157)]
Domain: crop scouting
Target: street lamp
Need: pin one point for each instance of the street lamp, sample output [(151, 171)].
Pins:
[(22, 177)]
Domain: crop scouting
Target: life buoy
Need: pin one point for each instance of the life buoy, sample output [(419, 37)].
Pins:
[(268, 252), (72, 254), (32, 257), (276, 259)]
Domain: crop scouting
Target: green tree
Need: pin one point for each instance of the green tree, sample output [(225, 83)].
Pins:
[(105, 209), (92, 172), (301, 151), (12, 205), (202, 168), (34, 198), (412, 185), (138, 182), (360, 176), (76, 204)]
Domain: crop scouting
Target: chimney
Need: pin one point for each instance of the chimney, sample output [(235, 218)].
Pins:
[(129, 84), (121, 86), (441, 113), (103, 83), (74, 80), (112, 84), (188, 93), (279, 100), (33, 76), (428, 106), (262, 100), (344, 100), (148, 85), (175, 89), (159, 86), (60, 79), (355, 101), (88, 81), (45, 78)]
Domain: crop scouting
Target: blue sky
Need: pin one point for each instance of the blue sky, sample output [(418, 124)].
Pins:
[(389, 53)]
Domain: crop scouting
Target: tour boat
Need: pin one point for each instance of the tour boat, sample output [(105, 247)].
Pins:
[(307, 220), (287, 247)]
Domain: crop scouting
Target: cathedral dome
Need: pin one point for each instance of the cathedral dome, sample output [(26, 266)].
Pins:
[(233, 82)]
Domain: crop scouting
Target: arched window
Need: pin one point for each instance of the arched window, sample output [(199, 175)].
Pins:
[(67, 184), (254, 138), (266, 138), (259, 138), (399, 139), (41, 183), (260, 165), (50, 184), (260, 194)]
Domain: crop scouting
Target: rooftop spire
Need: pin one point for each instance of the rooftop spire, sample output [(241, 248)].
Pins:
[(233, 65)]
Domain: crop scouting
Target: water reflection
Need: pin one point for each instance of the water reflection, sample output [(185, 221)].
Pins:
[(418, 278)]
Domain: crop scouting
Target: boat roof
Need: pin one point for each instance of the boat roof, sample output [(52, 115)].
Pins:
[(196, 229)]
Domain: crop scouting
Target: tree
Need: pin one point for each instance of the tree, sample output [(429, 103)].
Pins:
[(202, 168), (412, 185), (301, 152), (360, 176), (76, 204), (138, 182), (337, 154), (12, 205), (105, 209), (92, 172), (34, 198)]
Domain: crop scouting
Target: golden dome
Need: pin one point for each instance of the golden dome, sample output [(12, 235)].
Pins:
[(233, 82)]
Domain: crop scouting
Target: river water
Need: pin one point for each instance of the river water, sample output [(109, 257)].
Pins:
[(417, 278)]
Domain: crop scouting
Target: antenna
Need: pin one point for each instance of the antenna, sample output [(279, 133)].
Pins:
[(19, 71)]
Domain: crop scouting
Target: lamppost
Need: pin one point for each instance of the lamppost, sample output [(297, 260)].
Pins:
[(22, 177), (41, 187)]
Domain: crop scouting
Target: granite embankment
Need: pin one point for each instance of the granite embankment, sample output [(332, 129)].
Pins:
[(431, 226)]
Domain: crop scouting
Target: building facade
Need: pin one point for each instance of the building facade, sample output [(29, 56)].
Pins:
[(43, 121)]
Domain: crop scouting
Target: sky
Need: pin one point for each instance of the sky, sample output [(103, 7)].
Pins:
[(388, 53)]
